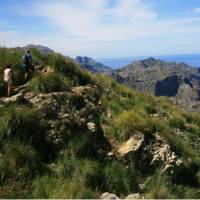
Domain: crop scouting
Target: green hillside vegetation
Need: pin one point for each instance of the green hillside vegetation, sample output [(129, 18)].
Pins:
[(31, 166)]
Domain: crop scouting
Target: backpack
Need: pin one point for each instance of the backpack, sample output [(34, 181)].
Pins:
[(27, 60)]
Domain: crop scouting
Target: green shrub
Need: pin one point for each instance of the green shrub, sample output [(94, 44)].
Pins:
[(177, 121), (58, 188), (82, 146), (21, 123), (120, 179), (122, 90), (158, 187), (89, 171), (150, 109), (15, 190), (42, 186), (49, 83), (19, 162), (130, 121), (183, 192), (69, 68)]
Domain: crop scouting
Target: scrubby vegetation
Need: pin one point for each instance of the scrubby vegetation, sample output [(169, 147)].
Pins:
[(63, 67), (49, 83), (32, 166)]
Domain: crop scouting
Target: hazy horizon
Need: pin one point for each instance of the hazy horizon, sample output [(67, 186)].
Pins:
[(192, 60)]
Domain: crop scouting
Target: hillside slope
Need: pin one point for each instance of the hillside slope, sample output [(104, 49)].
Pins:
[(163, 79), (69, 134)]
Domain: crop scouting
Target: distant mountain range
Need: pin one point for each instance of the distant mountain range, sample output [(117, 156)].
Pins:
[(90, 64), (154, 76), (117, 63), (161, 78)]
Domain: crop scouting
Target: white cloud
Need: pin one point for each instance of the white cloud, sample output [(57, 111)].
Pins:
[(92, 20), (197, 10), (93, 27)]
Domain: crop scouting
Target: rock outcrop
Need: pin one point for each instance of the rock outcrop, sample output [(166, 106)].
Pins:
[(149, 153), (132, 145), (62, 113)]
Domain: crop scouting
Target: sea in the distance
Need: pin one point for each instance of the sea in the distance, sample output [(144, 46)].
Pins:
[(115, 63)]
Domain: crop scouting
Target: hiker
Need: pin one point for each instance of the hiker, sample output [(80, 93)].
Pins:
[(8, 76), (27, 64)]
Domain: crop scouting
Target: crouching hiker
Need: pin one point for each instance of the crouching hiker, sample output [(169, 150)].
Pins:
[(8, 77), (27, 64)]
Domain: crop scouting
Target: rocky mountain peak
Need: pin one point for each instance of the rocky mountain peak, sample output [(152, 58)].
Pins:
[(93, 66)]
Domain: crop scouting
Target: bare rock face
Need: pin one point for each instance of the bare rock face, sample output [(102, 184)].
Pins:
[(132, 145), (107, 195)]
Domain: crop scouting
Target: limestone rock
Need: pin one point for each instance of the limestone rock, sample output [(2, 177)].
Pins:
[(132, 145), (163, 155), (14, 99), (134, 196), (91, 127), (107, 195)]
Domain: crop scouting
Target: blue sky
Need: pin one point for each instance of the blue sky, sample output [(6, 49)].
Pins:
[(103, 28)]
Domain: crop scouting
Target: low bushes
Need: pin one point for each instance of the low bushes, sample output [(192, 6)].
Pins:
[(19, 162), (119, 179), (177, 121), (69, 68), (89, 171), (59, 188), (159, 186), (130, 121), (21, 123), (49, 83)]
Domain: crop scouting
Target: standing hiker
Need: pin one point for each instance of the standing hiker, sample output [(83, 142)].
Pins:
[(8, 76), (27, 64)]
